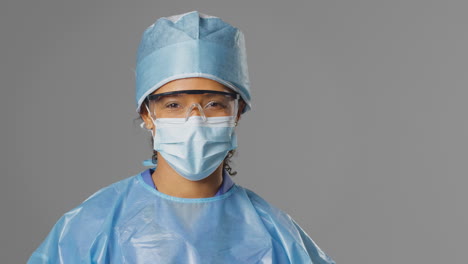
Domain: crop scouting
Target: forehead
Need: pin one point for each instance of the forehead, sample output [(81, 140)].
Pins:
[(192, 83)]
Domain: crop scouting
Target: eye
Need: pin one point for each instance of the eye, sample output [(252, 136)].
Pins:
[(172, 105), (215, 104)]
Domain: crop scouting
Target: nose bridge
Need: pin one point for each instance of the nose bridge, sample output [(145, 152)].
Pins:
[(193, 107)]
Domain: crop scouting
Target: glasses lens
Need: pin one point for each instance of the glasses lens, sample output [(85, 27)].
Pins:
[(181, 105)]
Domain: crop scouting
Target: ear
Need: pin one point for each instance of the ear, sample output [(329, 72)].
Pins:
[(145, 116), (241, 109)]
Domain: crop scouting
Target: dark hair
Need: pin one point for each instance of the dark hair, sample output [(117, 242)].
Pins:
[(226, 162)]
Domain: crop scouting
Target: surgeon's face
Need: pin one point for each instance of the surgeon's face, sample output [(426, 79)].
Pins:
[(193, 83)]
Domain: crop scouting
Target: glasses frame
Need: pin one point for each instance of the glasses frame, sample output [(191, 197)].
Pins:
[(155, 96), (235, 96)]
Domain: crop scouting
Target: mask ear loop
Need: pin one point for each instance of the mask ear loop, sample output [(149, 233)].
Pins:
[(154, 123), (153, 161)]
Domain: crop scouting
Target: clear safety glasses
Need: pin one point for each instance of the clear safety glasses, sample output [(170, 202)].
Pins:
[(185, 103)]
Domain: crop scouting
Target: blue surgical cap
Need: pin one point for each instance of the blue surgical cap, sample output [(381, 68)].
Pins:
[(192, 44)]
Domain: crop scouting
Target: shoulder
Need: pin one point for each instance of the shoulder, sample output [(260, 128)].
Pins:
[(111, 191), (285, 231), (82, 228), (100, 204), (266, 210)]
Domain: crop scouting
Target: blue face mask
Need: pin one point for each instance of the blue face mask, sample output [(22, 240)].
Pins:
[(195, 148)]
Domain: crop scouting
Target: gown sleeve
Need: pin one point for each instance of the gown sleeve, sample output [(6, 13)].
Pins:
[(290, 242), (315, 253), (50, 249), (80, 235)]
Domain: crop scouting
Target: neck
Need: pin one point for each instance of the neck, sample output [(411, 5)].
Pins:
[(169, 182)]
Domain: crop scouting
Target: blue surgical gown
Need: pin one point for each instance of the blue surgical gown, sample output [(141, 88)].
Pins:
[(131, 222)]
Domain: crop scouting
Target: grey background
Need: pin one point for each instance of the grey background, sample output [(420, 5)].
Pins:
[(358, 128)]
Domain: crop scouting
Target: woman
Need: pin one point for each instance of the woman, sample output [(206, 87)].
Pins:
[(191, 88)]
